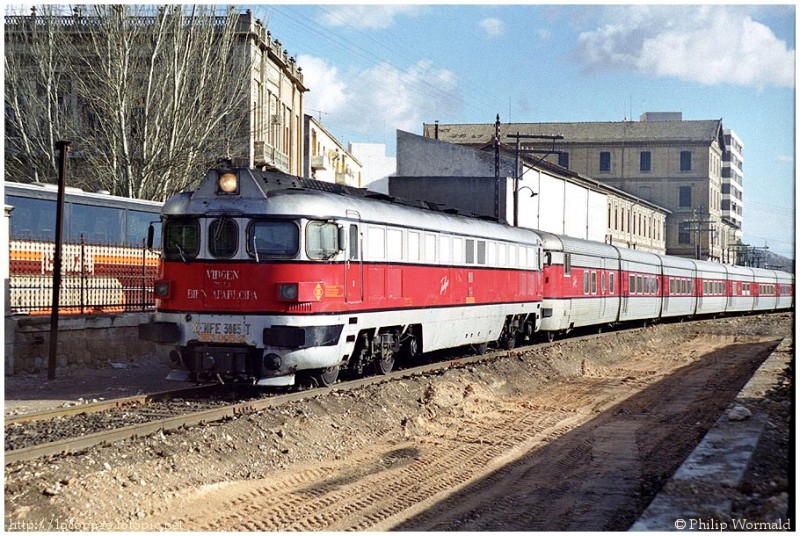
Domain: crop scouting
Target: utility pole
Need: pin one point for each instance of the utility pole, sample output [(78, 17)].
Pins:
[(63, 149), (699, 224)]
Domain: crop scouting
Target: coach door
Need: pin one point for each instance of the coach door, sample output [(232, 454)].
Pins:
[(353, 267)]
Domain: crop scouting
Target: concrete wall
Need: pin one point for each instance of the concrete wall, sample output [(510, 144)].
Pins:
[(86, 341)]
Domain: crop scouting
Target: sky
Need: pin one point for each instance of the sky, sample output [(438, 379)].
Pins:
[(374, 69)]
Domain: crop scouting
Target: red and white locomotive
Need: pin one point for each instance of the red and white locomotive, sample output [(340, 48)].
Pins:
[(265, 277)]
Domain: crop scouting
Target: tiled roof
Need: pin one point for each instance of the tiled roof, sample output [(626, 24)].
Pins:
[(608, 132)]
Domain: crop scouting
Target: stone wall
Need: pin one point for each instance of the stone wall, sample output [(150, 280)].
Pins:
[(83, 341)]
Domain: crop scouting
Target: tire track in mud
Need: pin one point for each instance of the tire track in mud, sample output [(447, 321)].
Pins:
[(579, 455)]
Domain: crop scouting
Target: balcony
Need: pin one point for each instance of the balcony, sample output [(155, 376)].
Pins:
[(318, 162), (267, 155)]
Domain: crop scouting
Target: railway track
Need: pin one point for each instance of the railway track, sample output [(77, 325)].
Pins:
[(74, 429), (77, 428)]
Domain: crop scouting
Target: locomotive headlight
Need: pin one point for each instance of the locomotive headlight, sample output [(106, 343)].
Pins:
[(287, 291), (228, 183), (161, 289)]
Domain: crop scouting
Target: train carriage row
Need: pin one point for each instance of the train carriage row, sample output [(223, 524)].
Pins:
[(265, 277), (592, 284)]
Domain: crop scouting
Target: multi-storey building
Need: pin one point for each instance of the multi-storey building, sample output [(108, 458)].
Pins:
[(661, 158), (732, 189), (271, 114), (327, 159)]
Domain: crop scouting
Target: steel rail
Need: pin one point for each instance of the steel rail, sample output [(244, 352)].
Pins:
[(116, 403), (74, 445)]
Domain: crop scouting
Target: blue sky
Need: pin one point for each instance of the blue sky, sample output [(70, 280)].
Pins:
[(378, 68)]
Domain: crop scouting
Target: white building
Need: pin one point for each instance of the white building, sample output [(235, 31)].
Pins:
[(326, 159), (377, 167), (732, 178)]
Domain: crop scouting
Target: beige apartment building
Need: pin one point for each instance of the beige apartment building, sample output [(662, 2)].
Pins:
[(661, 158)]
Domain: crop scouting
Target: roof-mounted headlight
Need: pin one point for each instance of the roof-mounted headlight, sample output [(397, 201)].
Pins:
[(228, 183)]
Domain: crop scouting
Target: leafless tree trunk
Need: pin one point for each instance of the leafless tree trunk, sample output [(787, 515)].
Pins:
[(37, 97), (163, 94)]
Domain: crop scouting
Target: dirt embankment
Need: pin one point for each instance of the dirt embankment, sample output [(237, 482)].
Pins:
[(575, 436)]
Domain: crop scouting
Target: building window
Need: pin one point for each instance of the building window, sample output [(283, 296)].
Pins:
[(686, 160), (685, 196), (605, 162), (644, 161), (684, 237), (563, 160)]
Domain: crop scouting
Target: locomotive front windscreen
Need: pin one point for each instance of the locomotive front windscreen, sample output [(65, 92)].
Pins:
[(273, 239), (181, 239)]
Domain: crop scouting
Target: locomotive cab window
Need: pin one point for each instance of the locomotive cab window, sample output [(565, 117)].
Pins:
[(181, 239), (223, 238), (273, 239), (321, 240)]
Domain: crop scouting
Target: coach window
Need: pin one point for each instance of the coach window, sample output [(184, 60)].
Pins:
[(586, 282), (223, 238), (611, 283), (321, 240), (137, 224), (96, 224), (632, 284), (602, 283), (181, 239), (273, 239), (594, 282)]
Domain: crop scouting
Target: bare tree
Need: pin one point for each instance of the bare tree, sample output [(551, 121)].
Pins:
[(161, 94), (38, 91)]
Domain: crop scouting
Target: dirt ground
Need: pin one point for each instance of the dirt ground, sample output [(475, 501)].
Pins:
[(579, 435)]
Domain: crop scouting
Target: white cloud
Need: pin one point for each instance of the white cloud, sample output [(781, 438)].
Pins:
[(373, 16), (380, 98), (492, 26), (709, 44)]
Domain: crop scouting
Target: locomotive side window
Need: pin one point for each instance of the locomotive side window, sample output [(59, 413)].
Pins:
[(181, 239), (321, 240), (444, 249), (430, 248), (567, 263), (470, 254), (223, 238), (458, 250), (376, 240), (481, 252), (353, 256), (394, 244), (413, 246), (273, 239)]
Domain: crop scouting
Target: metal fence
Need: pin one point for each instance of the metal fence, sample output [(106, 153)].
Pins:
[(94, 278)]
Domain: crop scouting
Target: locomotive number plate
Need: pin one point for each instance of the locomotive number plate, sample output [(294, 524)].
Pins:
[(226, 332)]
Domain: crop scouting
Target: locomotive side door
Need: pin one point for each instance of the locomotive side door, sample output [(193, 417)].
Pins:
[(353, 266)]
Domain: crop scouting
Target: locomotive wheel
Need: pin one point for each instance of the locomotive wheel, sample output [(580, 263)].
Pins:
[(385, 363), (508, 342), (327, 377), (481, 348), (409, 349), (551, 336)]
